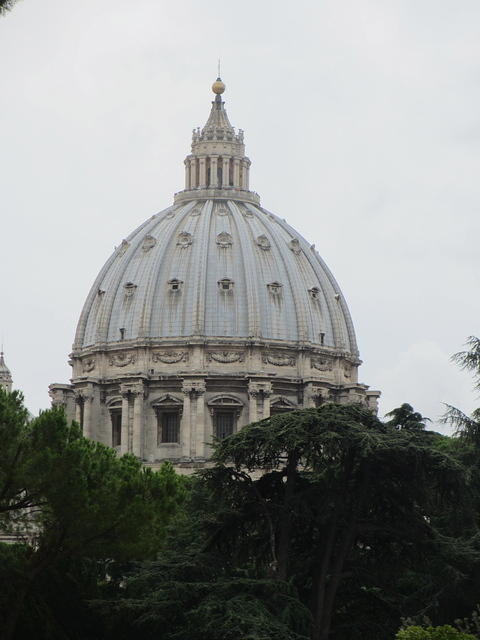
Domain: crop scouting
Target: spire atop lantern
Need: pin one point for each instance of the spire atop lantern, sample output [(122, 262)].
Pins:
[(217, 162)]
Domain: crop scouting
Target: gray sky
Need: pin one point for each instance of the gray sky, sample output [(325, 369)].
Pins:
[(362, 120)]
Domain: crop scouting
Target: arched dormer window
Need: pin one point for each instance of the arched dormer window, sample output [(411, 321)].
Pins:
[(175, 285), (225, 411), (281, 405), (225, 285), (168, 410), (275, 288)]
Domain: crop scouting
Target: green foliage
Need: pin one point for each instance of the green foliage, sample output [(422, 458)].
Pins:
[(405, 417), (445, 632), (6, 5), (79, 504)]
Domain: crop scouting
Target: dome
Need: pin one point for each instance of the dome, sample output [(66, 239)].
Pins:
[(216, 268), (212, 314), (5, 375)]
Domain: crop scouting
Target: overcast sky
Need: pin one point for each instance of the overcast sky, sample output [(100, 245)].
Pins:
[(362, 121)]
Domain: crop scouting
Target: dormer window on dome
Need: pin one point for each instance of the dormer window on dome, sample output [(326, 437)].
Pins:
[(275, 288), (175, 285), (225, 284), (314, 293), (129, 289)]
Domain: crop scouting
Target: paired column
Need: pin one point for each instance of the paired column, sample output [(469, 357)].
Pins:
[(245, 173), (132, 440), (125, 420), (203, 172), (236, 172), (137, 434), (186, 425), (213, 171), (256, 390), (78, 408), (83, 410), (314, 396), (226, 172), (253, 405), (87, 413), (193, 173), (193, 419)]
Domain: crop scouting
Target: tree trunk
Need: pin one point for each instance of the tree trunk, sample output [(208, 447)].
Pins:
[(323, 617), (286, 517), (321, 581), (15, 609)]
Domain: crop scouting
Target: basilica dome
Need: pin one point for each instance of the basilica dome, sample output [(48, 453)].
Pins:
[(212, 314), (216, 267)]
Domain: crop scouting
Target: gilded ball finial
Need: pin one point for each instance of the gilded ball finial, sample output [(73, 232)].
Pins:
[(218, 86)]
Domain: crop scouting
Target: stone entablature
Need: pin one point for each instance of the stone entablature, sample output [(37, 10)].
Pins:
[(197, 387), (226, 193)]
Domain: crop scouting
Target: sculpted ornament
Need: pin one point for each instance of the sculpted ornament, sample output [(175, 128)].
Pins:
[(294, 245), (184, 239), (222, 210), (197, 210), (88, 364), (169, 357), (122, 359), (224, 240), (148, 243), (322, 364), (263, 242), (195, 387), (226, 356), (129, 289), (123, 247), (278, 360)]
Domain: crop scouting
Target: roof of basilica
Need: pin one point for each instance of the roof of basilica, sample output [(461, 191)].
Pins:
[(216, 264)]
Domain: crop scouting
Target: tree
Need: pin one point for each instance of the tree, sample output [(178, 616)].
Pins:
[(76, 499), (343, 481), (15, 439), (405, 417), (467, 427), (6, 5), (306, 519)]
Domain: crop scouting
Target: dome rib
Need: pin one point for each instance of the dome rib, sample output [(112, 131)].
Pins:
[(257, 253)]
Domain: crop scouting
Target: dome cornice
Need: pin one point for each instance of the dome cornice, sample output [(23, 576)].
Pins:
[(229, 193)]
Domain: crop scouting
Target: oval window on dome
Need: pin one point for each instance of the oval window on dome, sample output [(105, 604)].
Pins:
[(275, 288), (175, 285), (225, 284)]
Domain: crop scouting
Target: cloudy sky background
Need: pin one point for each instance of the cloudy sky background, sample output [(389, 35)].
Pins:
[(362, 120)]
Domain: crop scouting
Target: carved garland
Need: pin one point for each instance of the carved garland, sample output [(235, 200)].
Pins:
[(226, 356), (88, 365), (278, 360), (169, 357), (122, 359), (322, 364)]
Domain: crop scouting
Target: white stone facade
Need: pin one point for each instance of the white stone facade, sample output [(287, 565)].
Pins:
[(5, 375), (212, 314)]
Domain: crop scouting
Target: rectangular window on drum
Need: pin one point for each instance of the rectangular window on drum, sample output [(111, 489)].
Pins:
[(224, 424), (169, 427), (116, 417)]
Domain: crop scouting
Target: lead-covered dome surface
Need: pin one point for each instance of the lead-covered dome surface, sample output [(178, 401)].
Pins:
[(216, 268)]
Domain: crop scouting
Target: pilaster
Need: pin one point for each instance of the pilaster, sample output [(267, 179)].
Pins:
[(213, 171)]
